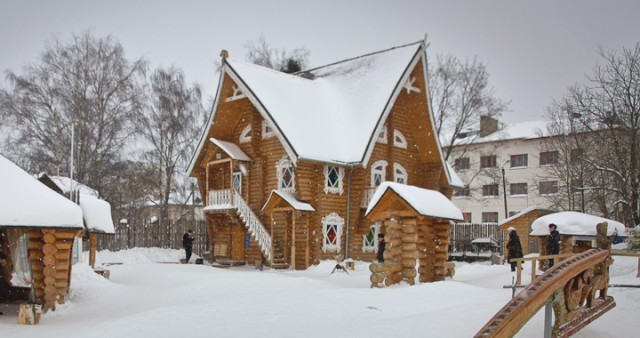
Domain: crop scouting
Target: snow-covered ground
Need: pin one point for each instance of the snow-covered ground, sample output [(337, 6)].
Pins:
[(144, 298)]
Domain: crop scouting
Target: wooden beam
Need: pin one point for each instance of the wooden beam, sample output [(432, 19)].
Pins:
[(293, 240)]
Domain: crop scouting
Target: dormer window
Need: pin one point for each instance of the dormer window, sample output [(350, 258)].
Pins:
[(333, 179), (245, 136), (267, 131), (399, 140), (286, 175), (382, 136)]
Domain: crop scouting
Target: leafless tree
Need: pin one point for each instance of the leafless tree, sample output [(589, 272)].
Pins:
[(600, 122), (171, 126), (262, 53), (86, 88), (460, 93)]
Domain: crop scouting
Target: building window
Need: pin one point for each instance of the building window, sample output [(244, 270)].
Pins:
[(466, 217), (575, 155), (378, 173), (490, 190), (237, 182), (577, 186), (332, 225), (489, 217), (548, 187), (245, 136), (516, 189), (370, 241), (267, 131), (399, 174), (333, 179), (286, 175), (462, 163), (464, 192), (549, 157), (519, 161), (488, 162), (382, 136), (399, 140)]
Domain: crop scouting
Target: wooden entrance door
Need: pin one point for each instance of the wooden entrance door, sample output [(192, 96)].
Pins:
[(237, 242)]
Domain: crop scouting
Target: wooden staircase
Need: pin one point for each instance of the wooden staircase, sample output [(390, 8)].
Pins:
[(279, 261)]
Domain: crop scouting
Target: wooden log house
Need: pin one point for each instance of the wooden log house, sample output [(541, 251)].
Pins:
[(37, 230), (522, 223), (288, 163)]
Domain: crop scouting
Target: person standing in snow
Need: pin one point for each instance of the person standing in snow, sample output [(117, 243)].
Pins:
[(514, 249), (381, 246), (187, 243), (553, 243)]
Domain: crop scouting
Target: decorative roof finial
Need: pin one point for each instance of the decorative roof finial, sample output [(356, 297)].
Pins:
[(224, 54)]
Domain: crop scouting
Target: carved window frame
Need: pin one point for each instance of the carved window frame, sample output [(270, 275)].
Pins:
[(332, 225), (400, 174), (399, 140), (267, 131), (286, 175), (245, 135), (371, 245), (378, 168), (335, 187)]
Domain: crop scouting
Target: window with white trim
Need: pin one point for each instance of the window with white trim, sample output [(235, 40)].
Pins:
[(399, 174), (378, 173), (237, 182), (267, 131), (399, 140), (286, 175), (332, 225), (333, 179), (369, 241), (382, 136), (245, 136)]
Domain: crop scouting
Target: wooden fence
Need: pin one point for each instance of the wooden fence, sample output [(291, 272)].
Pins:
[(461, 235), (151, 236)]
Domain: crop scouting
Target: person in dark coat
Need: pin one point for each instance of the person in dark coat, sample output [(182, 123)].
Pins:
[(514, 249), (381, 246), (187, 243), (553, 243)]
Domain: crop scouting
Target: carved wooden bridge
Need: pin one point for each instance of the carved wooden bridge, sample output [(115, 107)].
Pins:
[(569, 287)]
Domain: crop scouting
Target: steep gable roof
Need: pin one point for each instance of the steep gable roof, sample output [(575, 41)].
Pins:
[(328, 114)]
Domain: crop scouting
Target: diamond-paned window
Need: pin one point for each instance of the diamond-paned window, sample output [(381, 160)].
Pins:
[(333, 179), (332, 225), (286, 175), (369, 242)]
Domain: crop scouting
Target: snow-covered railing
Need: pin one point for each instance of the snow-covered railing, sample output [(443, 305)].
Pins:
[(251, 221)]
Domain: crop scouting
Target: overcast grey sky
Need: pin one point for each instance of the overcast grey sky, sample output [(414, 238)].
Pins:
[(534, 49)]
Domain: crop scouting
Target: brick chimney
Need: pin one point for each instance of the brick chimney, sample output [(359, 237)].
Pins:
[(488, 125)]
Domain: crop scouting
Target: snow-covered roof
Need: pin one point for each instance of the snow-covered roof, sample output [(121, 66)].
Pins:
[(291, 199), (455, 180), (485, 240), (231, 149), (346, 99), (97, 214), (525, 211), (510, 131), (574, 223), (65, 184), (426, 202), (26, 202)]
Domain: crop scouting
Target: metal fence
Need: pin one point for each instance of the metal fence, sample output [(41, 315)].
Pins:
[(151, 236)]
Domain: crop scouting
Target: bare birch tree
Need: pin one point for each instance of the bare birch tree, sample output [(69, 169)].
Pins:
[(171, 126), (600, 122), (85, 87)]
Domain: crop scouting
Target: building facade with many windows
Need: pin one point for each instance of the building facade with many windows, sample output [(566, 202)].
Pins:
[(505, 172)]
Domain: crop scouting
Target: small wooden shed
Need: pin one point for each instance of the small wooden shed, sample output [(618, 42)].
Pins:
[(416, 224), (37, 230), (522, 223)]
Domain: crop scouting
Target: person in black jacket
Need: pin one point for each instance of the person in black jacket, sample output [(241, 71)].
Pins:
[(553, 243), (514, 248), (381, 246), (187, 243)]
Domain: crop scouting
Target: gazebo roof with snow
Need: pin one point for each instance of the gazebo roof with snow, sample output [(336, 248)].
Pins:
[(423, 202), (572, 223), (26, 202), (97, 215)]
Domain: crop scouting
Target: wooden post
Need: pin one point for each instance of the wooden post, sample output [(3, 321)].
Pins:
[(272, 239), (93, 243), (293, 239)]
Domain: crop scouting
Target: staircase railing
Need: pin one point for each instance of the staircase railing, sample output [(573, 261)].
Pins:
[(251, 221)]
